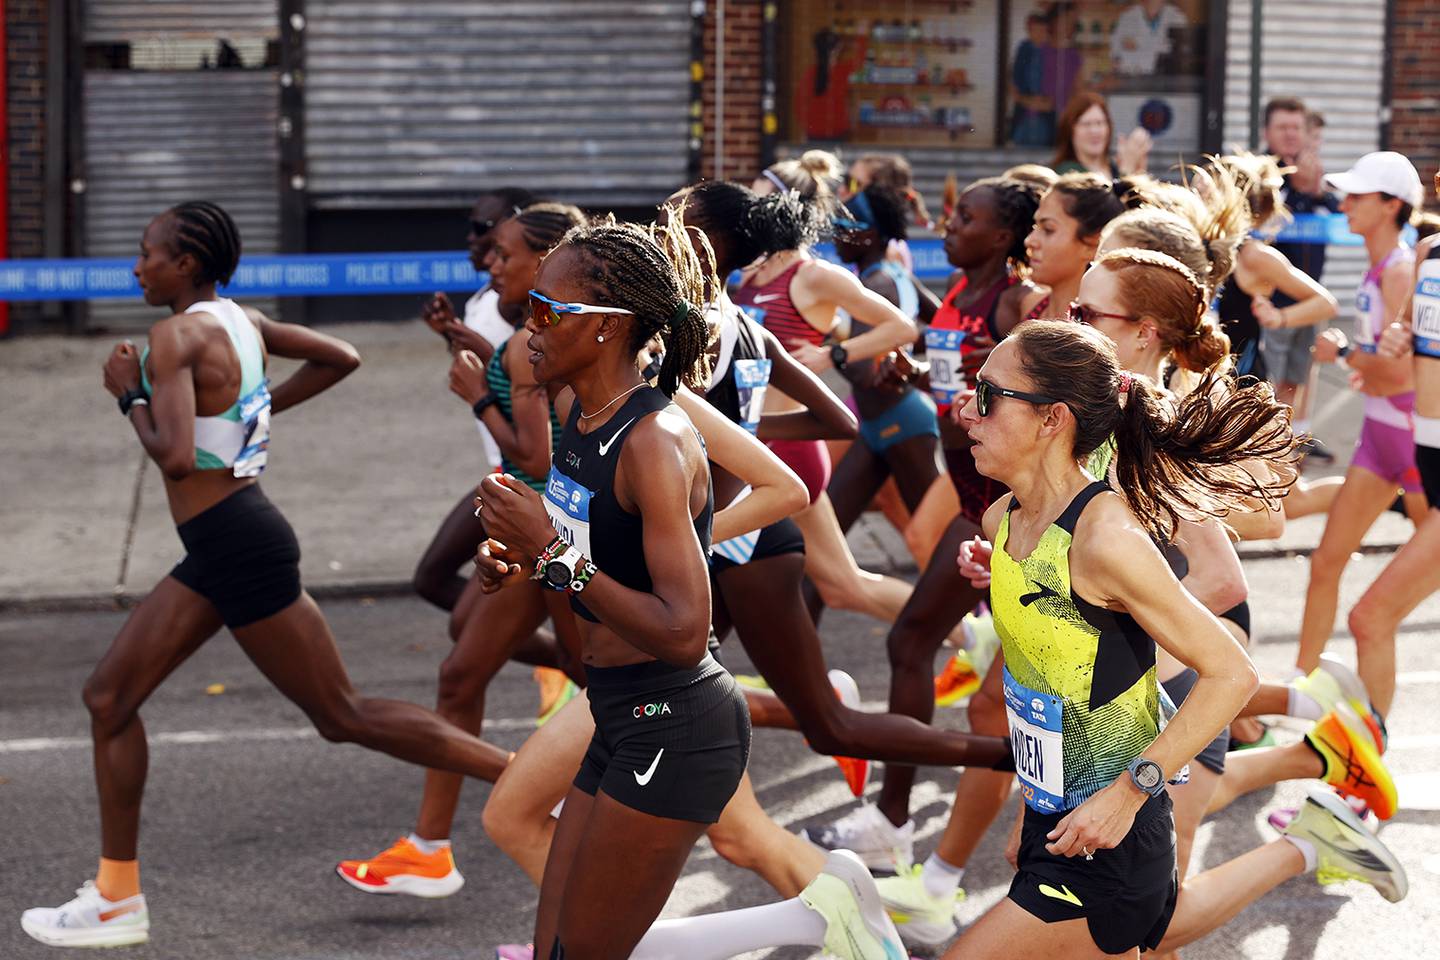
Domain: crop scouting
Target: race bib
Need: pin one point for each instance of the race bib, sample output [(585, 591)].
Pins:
[(255, 418), (1425, 317), (751, 379), (1364, 333), (1037, 743), (568, 504), (942, 349)]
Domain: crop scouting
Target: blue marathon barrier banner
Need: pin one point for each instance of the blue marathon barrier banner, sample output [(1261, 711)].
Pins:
[(351, 274)]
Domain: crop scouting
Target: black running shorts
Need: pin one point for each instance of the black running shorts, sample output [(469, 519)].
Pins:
[(669, 741), (1212, 758), (242, 556), (1126, 894), (778, 539), (1427, 461)]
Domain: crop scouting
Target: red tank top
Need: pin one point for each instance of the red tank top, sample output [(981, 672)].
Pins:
[(949, 338), (770, 305), (1037, 312)]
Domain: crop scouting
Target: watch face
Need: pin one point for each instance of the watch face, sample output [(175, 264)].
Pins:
[(1148, 775), (557, 574)]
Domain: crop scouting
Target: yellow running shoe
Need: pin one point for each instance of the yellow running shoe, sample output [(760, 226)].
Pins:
[(957, 681), (1352, 764), (1346, 849), (406, 869), (556, 690)]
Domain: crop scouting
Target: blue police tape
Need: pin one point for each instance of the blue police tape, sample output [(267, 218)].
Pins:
[(339, 274)]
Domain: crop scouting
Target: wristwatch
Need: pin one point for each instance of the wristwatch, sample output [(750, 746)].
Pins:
[(562, 567), (484, 403), (132, 397), (838, 356), (1147, 776)]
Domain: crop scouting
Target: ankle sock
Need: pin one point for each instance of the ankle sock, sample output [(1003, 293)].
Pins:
[(1307, 850), (1303, 705), (940, 878), (429, 846)]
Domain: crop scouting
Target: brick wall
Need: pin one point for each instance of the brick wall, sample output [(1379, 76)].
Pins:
[(742, 90), (1415, 86), (25, 80)]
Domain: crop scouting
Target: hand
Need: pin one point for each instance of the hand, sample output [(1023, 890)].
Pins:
[(957, 405), (975, 357), (1132, 155), (974, 561), (1309, 172), (496, 568), (1266, 313), (467, 377), (1328, 344), (122, 369), (816, 358), (514, 514), (438, 314), (462, 337), (1396, 341), (1099, 823)]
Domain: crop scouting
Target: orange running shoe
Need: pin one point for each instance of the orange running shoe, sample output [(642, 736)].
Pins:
[(957, 681), (1352, 764), (405, 869), (556, 690), (856, 771)]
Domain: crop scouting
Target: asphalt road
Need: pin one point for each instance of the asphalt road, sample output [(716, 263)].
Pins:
[(246, 811)]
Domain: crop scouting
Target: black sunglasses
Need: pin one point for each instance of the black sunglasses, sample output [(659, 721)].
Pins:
[(986, 392)]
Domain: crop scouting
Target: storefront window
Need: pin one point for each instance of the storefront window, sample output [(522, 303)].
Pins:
[(937, 72)]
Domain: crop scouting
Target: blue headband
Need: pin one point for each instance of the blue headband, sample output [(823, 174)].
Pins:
[(857, 210)]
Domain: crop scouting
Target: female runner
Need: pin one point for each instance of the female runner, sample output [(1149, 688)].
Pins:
[(487, 631), (199, 403), (1081, 598)]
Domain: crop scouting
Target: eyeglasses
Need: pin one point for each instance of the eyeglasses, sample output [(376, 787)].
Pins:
[(986, 392), (547, 313), (1079, 313)]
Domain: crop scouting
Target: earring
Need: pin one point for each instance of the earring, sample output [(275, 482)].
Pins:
[(600, 339)]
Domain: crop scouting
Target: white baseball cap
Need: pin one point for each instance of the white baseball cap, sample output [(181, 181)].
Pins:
[(1384, 171)]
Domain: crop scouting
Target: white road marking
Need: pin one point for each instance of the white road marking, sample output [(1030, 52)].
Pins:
[(192, 737)]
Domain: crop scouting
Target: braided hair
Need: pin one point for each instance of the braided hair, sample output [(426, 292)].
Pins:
[(1015, 204), (722, 209), (205, 231), (545, 224), (655, 273)]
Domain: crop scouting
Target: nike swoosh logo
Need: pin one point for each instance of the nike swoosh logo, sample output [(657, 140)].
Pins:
[(1054, 894), (766, 297), (605, 447), (1041, 591), (109, 915), (651, 772)]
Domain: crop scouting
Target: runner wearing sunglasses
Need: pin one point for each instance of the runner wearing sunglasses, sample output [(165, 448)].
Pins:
[(487, 630), (483, 327), (1082, 598), (199, 402), (985, 241)]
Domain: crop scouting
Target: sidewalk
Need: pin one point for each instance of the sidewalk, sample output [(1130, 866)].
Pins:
[(365, 473)]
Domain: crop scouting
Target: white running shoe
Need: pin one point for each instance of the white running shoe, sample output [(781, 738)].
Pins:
[(856, 926), (1347, 851), (90, 921), (880, 844), (921, 918)]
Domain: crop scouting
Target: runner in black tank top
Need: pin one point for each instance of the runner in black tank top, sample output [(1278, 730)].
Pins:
[(624, 528)]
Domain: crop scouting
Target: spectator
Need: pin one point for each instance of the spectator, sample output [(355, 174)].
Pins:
[(1085, 136)]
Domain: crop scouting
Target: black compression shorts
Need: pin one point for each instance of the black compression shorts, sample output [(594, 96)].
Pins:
[(780, 538), (242, 556), (669, 741), (1427, 461), (1126, 894)]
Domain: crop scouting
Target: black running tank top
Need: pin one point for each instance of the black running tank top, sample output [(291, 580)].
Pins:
[(742, 370), (580, 497)]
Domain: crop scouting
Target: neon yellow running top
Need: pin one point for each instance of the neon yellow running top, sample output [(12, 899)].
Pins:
[(1080, 688)]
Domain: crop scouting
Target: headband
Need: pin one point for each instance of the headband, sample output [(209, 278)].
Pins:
[(780, 185)]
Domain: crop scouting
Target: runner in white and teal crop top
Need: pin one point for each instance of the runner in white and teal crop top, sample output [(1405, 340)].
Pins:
[(239, 438)]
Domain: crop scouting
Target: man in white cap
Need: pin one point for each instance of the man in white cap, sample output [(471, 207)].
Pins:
[(1381, 193)]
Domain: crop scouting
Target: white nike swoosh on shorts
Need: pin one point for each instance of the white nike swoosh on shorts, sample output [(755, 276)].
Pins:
[(651, 772)]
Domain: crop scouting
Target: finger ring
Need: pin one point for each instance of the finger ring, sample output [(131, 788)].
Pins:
[(1088, 854), (478, 506)]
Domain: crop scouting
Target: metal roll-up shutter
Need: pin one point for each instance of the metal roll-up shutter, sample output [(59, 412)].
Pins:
[(1331, 54), (156, 137), (418, 104)]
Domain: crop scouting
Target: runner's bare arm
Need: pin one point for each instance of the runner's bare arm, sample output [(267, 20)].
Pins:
[(166, 427), (328, 360)]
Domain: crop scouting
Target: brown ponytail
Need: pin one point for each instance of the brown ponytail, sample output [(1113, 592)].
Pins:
[(1175, 460)]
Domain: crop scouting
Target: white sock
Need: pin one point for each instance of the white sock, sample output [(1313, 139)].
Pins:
[(1307, 850), (940, 878), (1303, 705), (716, 936), (428, 846)]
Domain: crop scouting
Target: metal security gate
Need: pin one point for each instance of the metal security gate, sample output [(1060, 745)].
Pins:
[(425, 103), (1331, 54), (159, 127)]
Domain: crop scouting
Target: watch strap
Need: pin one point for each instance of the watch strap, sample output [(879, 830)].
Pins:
[(132, 397), (483, 404)]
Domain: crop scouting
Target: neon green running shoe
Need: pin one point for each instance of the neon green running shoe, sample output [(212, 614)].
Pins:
[(921, 917), (1347, 851), (857, 927)]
